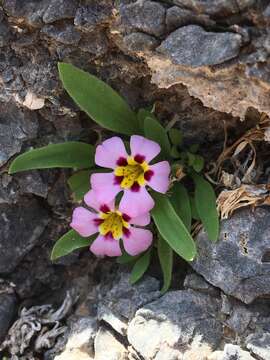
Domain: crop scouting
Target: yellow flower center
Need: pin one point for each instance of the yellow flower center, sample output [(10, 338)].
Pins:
[(113, 224), (131, 173)]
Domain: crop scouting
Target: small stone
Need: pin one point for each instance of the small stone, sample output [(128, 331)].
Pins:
[(234, 352), (215, 7), (179, 323), (238, 263), (177, 17), (80, 343), (123, 300), (16, 126), (88, 18), (31, 183), (193, 46), (239, 319), (60, 9), (108, 347), (196, 282), (95, 43), (33, 102), (140, 42), (8, 304), (21, 224), (259, 345), (139, 16), (67, 35)]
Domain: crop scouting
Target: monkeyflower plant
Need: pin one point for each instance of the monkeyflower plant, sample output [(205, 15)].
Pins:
[(132, 190)]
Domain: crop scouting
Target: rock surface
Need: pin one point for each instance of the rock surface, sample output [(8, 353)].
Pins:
[(239, 262), (193, 46), (7, 313), (178, 323), (29, 219)]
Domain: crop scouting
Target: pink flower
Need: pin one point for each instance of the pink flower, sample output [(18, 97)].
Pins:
[(131, 174), (111, 224)]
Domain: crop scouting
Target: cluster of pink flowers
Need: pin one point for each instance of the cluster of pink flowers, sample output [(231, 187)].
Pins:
[(114, 221)]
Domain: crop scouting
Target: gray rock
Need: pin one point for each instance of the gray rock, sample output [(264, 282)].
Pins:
[(234, 352), (21, 224), (31, 11), (139, 16), (239, 262), (95, 43), (259, 345), (30, 182), (196, 282), (179, 323), (59, 9), (177, 17), (239, 319), (215, 7), (123, 300), (193, 46), (8, 304), (67, 35), (88, 18), (108, 347), (140, 42), (16, 126)]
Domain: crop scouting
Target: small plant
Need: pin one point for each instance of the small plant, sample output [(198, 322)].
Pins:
[(144, 182)]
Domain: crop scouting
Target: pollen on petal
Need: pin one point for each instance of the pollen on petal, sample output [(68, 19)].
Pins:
[(148, 175), (126, 217), (139, 158), (126, 232), (122, 161), (104, 208), (135, 187), (118, 180)]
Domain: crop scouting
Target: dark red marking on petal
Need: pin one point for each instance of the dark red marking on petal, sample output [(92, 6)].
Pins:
[(104, 208), (126, 217), (139, 158), (135, 187), (108, 236), (98, 222), (148, 175), (118, 180), (126, 232), (122, 161)]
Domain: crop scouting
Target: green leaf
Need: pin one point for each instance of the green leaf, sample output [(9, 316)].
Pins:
[(126, 258), (172, 228), (154, 131), (194, 211), (165, 255), (175, 136), (175, 153), (205, 200), (142, 114), (79, 184), (98, 100), (181, 203), (191, 158), (198, 163), (69, 242), (140, 267), (70, 154)]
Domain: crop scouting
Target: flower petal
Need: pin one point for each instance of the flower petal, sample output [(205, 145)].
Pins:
[(106, 246), (138, 241), (141, 146), (136, 203), (141, 220), (104, 187), (91, 200), (109, 152), (160, 180), (83, 222)]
